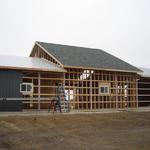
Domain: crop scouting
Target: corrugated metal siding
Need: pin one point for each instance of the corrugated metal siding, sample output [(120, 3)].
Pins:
[(10, 83)]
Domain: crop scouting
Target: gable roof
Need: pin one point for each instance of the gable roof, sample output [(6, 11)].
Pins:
[(86, 57), (28, 63)]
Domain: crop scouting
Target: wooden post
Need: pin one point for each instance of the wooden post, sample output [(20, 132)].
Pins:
[(116, 87), (39, 89), (69, 86), (137, 97), (64, 80), (91, 106)]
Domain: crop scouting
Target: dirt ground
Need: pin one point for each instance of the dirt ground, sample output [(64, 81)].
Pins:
[(112, 131)]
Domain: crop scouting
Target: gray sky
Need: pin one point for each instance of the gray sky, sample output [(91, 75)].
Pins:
[(120, 27)]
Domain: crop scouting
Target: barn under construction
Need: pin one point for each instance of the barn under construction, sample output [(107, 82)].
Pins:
[(91, 78)]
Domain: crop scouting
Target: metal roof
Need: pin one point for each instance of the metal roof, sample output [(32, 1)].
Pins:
[(86, 57), (145, 73), (28, 63)]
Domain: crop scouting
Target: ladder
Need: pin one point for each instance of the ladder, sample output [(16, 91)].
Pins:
[(61, 98)]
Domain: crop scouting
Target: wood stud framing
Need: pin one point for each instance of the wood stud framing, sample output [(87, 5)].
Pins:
[(85, 91), (83, 86), (86, 96), (44, 85), (38, 52)]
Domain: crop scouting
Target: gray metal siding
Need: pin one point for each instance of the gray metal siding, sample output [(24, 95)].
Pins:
[(10, 83), (10, 105)]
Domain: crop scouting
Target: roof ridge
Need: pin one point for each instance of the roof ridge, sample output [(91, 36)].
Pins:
[(73, 46)]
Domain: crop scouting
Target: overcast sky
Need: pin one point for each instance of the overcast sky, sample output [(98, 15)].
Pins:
[(120, 27)]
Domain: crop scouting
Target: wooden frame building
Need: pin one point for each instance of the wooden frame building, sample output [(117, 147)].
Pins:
[(92, 78), (89, 74)]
